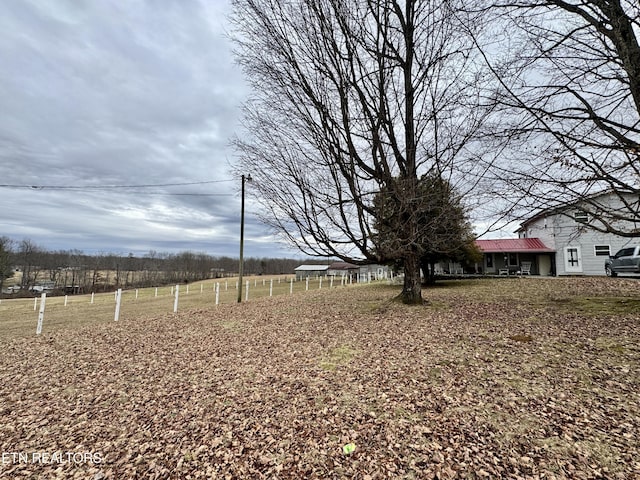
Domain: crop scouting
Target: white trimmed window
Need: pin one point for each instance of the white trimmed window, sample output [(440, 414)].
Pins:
[(580, 216), (602, 250)]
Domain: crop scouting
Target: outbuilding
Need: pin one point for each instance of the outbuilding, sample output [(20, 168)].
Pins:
[(342, 269), (304, 271)]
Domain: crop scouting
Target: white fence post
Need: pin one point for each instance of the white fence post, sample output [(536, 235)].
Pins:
[(136, 293), (320, 285), (291, 287), (271, 288), (66, 299), (175, 301), (246, 296), (156, 293), (43, 299), (307, 287), (217, 287), (92, 295), (331, 281), (116, 317), (35, 303)]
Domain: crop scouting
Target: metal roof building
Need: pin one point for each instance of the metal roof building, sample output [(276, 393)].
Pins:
[(304, 271)]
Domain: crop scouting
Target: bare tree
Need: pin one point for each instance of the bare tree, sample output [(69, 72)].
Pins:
[(53, 263), (570, 96), (352, 98), (29, 256), (6, 270), (151, 269), (96, 264)]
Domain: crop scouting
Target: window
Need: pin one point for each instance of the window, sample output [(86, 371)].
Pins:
[(489, 260), (625, 252), (602, 250), (513, 259), (580, 216)]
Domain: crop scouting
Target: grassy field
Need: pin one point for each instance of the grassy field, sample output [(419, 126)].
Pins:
[(503, 378), (19, 316)]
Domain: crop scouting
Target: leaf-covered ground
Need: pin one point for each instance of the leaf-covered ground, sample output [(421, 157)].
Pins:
[(517, 378)]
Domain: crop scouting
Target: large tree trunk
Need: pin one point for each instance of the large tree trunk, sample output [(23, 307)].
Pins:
[(412, 289), (428, 270)]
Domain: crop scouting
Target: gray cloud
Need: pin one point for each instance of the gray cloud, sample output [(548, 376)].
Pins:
[(121, 93)]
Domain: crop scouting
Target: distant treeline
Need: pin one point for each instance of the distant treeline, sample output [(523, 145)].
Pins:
[(31, 265)]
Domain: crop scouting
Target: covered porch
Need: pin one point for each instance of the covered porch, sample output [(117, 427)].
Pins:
[(517, 256)]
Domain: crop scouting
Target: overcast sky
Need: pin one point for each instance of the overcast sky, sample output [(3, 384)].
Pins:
[(96, 95)]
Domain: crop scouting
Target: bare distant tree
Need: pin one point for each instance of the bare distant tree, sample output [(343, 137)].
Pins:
[(150, 274), (570, 78), (97, 264), (30, 259), (53, 263), (353, 98), (6, 270)]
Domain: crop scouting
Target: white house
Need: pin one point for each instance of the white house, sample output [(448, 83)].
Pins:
[(343, 269), (579, 250), (374, 271)]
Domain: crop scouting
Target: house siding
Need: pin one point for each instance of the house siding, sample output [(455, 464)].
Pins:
[(562, 231), (542, 228)]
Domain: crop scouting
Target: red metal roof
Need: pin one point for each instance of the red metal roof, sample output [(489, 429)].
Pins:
[(506, 245)]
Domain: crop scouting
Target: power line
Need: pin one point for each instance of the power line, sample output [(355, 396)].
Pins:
[(108, 187), (175, 194)]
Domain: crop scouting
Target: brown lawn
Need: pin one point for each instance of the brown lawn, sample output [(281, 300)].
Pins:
[(504, 378)]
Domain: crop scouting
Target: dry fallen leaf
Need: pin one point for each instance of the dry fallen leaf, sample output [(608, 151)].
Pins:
[(275, 388)]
